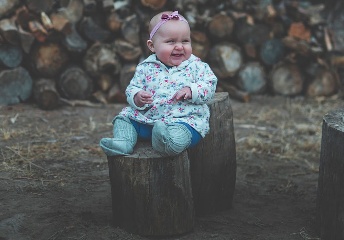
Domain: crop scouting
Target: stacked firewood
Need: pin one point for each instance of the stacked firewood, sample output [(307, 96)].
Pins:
[(86, 51)]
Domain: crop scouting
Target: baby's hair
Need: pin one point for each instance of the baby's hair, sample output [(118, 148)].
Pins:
[(154, 21)]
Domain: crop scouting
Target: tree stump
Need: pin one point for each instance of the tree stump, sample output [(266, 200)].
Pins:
[(213, 160), (151, 194), (330, 198)]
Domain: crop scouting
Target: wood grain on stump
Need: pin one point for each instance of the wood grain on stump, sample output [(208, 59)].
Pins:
[(213, 160), (330, 198), (151, 194)]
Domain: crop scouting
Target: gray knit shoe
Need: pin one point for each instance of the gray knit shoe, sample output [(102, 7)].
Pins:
[(170, 139), (125, 138)]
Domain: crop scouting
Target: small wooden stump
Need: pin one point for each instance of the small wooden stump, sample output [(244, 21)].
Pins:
[(151, 194), (330, 198), (213, 160)]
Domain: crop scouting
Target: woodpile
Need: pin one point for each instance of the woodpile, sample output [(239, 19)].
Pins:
[(87, 50)]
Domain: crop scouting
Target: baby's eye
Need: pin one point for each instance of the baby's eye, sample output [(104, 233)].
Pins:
[(186, 41), (170, 41)]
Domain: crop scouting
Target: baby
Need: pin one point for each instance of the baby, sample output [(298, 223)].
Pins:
[(168, 94)]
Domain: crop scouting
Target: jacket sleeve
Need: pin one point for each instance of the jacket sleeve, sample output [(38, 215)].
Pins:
[(203, 89)]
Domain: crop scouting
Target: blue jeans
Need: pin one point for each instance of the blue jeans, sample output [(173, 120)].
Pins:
[(144, 131)]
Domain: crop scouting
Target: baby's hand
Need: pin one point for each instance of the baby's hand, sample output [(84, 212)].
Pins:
[(142, 97), (184, 93)]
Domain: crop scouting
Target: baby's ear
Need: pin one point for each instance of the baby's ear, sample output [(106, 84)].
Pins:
[(150, 45)]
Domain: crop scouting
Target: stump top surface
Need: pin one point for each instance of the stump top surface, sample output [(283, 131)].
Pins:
[(218, 97), (335, 119)]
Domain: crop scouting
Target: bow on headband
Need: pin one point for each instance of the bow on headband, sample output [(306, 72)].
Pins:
[(164, 18)]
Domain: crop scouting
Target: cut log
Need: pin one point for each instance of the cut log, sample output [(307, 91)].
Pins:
[(9, 31), (225, 59), (108, 5), (47, 23), (114, 22), (200, 44), (213, 160), (60, 23), (126, 50), (38, 31), (101, 58), (45, 93), (72, 10), (74, 83), (26, 39), (8, 7), (323, 83), (299, 31), (38, 6), (151, 194), (334, 24), (252, 78), (330, 196), (272, 51), (154, 4), (73, 41), (221, 27), (92, 31), (286, 79), (247, 32), (48, 59), (299, 46), (15, 86), (10, 56), (90, 6), (130, 30)]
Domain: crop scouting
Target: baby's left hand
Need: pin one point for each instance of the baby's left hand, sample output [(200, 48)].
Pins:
[(182, 94)]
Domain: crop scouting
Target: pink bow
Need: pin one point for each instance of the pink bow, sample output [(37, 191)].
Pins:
[(164, 18), (173, 15)]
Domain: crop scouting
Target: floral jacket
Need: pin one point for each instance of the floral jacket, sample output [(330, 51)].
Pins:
[(162, 82)]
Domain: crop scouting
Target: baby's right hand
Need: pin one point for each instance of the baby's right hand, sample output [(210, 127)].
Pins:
[(142, 97)]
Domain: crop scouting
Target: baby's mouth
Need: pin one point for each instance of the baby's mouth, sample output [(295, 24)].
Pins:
[(177, 55)]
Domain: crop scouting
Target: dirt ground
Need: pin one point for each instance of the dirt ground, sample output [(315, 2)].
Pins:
[(54, 179)]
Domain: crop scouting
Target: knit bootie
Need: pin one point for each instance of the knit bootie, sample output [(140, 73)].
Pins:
[(170, 139), (124, 140)]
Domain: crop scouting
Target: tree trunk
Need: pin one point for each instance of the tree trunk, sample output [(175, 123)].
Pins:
[(330, 197), (213, 160), (151, 194)]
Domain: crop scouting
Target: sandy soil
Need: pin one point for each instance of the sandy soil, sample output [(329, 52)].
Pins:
[(54, 180)]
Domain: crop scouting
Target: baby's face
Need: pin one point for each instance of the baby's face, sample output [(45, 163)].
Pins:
[(172, 43)]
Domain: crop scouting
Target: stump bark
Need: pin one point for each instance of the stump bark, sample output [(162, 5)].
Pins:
[(151, 194), (330, 197), (213, 160)]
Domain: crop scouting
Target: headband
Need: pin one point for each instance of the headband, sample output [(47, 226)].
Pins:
[(165, 18)]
